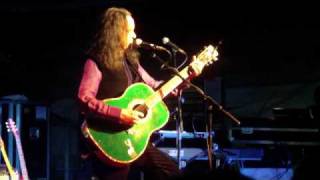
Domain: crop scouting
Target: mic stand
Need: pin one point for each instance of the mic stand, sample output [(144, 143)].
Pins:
[(205, 97), (177, 116), (217, 106), (213, 104), (209, 138)]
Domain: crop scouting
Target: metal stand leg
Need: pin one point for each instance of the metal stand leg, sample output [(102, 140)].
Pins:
[(209, 139)]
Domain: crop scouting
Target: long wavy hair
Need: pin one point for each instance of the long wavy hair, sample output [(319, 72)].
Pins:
[(109, 42)]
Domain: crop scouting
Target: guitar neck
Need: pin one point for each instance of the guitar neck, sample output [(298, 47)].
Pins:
[(206, 56), (168, 87), (21, 157)]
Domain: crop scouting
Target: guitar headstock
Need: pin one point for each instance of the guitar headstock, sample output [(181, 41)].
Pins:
[(205, 57), (208, 55), (11, 126)]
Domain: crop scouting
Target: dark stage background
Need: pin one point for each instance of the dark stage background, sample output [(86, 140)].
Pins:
[(269, 58)]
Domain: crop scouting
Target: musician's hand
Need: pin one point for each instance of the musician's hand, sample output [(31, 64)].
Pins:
[(196, 66), (158, 83), (175, 92), (130, 117)]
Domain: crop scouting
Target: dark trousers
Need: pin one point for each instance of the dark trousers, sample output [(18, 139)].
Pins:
[(153, 164)]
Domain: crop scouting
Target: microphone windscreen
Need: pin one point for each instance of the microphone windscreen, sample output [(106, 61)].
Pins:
[(138, 41), (165, 40)]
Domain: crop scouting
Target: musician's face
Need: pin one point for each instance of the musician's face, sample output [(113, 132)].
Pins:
[(131, 34)]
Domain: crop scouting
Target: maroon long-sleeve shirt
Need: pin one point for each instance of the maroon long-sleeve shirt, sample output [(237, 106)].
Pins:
[(89, 87)]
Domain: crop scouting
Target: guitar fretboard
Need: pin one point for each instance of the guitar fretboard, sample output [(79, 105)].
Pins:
[(206, 56), (167, 88)]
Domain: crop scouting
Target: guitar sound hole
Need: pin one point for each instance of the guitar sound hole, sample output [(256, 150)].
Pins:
[(141, 108)]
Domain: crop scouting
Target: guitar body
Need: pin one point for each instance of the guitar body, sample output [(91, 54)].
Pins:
[(120, 146)]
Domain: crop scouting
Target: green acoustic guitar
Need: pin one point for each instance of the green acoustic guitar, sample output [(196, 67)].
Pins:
[(122, 145)]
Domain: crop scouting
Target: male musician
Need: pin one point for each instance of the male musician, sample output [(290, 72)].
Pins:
[(112, 66)]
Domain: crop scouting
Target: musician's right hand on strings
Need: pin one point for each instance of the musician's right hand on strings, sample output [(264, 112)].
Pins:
[(130, 117)]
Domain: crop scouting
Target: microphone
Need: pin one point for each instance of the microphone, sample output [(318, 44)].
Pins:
[(140, 43), (167, 41)]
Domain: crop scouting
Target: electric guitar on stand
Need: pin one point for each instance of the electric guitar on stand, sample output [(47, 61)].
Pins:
[(12, 174), (11, 126), (120, 146)]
